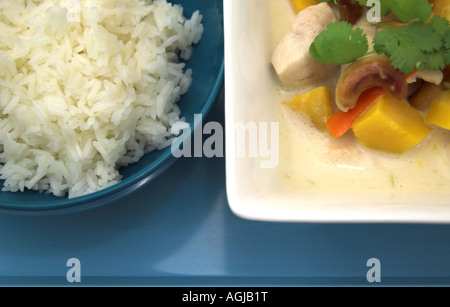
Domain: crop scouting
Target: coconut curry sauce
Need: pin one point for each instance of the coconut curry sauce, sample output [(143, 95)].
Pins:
[(312, 159)]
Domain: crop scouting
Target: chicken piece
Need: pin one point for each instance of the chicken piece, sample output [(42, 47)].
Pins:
[(291, 59)]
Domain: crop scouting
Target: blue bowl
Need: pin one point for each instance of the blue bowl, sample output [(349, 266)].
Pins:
[(207, 63)]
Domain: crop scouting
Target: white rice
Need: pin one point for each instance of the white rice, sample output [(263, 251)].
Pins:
[(87, 87)]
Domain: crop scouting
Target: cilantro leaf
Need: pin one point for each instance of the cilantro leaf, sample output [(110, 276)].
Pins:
[(439, 24), (422, 34), (407, 64), (435, 60), (447, 47), (407, 10), (447, 40), (339, 44)]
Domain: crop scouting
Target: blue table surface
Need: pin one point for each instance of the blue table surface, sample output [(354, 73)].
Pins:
[(178, 230)]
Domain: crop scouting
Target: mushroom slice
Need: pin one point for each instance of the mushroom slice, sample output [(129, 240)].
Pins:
[(366, 73), (431, 76), (350, 11)]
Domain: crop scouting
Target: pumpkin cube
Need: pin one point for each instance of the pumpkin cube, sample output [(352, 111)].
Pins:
[(439, 112), (391, 125), (314, 105)]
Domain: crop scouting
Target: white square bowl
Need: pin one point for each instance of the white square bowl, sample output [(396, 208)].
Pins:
[(259, 193)]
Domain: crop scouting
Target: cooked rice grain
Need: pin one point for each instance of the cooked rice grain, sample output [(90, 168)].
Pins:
[(87, 87)]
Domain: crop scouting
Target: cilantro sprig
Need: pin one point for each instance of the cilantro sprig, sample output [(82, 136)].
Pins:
[(416, 45), (423, 43)]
